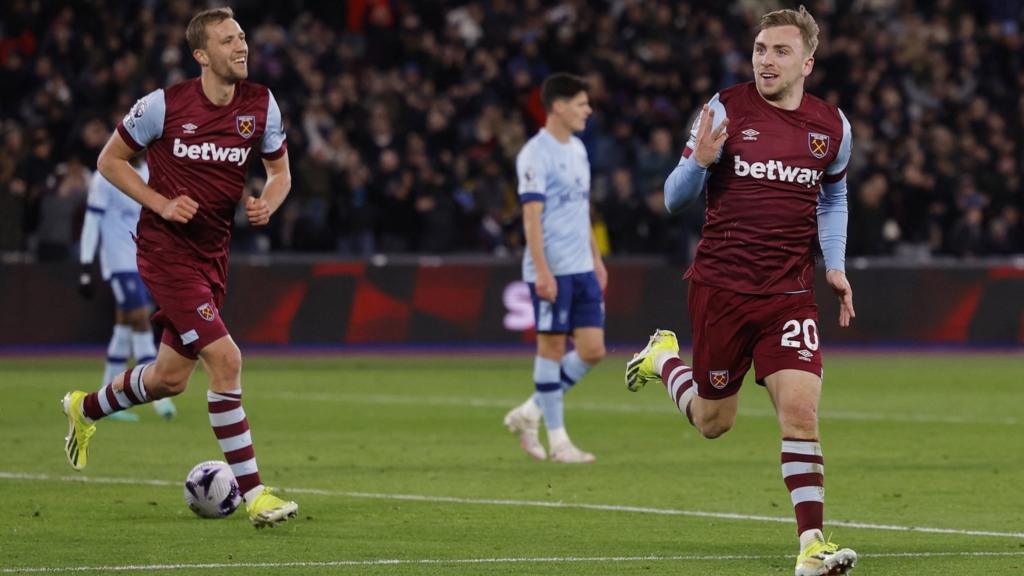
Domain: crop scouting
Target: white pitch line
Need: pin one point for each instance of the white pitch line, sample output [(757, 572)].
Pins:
[(536, 504), (462, 401), (466, 561)]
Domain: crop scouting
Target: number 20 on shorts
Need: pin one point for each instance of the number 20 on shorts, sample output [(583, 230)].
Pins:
[(793, 329)]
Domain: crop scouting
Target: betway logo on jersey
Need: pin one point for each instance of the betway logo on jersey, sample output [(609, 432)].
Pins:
[(775, 170), (210, 151)]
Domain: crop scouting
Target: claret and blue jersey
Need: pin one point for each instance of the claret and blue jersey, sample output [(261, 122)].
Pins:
[(202, 150)]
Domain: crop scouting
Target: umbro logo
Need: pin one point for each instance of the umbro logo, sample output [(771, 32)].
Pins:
[(750, 134), (189, 128), (805, 355)]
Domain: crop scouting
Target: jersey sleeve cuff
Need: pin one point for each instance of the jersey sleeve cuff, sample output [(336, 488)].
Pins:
[(833, 178), (127, 137), (277, 153), (530, 197)]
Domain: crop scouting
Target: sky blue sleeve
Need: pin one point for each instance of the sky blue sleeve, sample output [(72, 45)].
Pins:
[(531, 170), (684, 184), (273, 135), (144, 123), (837, 169), (832, 219)]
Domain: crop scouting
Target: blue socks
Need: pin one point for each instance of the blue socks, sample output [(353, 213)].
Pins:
[(573, 368), (547, 379), (552, 380)]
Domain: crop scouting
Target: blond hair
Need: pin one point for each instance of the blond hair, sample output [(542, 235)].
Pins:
[(801, 18), (195, 34)]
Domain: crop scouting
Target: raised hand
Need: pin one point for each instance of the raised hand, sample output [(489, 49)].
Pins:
[(709, 141)]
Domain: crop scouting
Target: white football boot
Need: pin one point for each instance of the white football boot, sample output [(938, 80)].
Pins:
[(567, 453), (524, 421)]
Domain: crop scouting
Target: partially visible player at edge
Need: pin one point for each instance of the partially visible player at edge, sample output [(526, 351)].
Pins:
[(110, 221), (773, 161), (562, 266), (200, 134)]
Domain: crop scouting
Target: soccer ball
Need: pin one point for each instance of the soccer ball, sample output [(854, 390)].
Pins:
[(211, 490)]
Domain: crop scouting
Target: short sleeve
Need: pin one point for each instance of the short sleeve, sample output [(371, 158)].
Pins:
[(144, 123), (837, 169), (713, 104), (531, 169), (273, 136)]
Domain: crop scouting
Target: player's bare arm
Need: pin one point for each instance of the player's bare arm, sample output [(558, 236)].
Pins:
[(599, 268), (547, 288), (709, 141), (114, 164), (841, 286), (279, 183)]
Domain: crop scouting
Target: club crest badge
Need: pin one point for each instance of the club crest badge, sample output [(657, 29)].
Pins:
[(206, 312), (718, 378), (818, 144), (245, 125)]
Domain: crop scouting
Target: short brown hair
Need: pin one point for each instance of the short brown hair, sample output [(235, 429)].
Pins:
[(195, 34), (801, 18), (560, 85)]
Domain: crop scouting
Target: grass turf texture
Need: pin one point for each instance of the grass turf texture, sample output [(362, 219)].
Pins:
[(909, 440)]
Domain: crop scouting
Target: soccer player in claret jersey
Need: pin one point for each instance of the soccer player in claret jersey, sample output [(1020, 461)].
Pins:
[(110, 221), (773, 161), (562, 265), (200, 135)]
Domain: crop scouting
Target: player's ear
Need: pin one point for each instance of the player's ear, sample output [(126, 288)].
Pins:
[(556, 106), (200, 55), (808, 66)]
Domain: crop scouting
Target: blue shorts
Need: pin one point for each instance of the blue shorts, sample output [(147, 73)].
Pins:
[(129, 291), (578, 304)]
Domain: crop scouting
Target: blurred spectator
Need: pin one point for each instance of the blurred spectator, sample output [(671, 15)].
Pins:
[(871, 231), (404, 118), (62, 202)]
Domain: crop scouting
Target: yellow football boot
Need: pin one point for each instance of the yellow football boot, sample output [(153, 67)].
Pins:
[(821, 558), (268, 510), (640, 370), (76, 443)]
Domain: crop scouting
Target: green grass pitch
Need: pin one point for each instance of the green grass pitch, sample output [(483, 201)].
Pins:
[(404, 459)]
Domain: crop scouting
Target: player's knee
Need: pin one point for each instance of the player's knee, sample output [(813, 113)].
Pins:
[(593, 354), (802, 417), (715, 424), (163, 383), (228, 365), (714, 429)]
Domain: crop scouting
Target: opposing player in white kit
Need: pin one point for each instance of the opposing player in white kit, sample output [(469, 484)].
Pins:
[(562, 266), (110, 221)]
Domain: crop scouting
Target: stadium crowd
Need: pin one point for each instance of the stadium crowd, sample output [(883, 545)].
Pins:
[(404, 117)]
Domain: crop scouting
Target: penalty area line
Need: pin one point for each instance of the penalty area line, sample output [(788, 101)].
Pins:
[(536, 504), (464, 561)]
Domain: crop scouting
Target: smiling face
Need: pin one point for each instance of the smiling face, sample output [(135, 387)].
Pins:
[(781, 62), (226, 53)]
